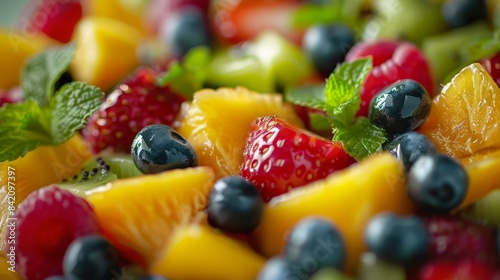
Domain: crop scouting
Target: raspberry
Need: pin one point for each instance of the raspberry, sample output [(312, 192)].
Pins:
[(392, 61), (47, 222)]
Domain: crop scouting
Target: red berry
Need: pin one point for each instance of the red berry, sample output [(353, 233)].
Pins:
[(492, 65), (134, 104), (47, 222), (279, 157), (12, 96), (454, 239), (161, 11), (392, 61), (57, 19), (464, 270), (239, 21)]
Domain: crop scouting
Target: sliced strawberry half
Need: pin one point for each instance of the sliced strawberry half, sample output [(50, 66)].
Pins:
[(392, 61), (279, 157), (246, 19)]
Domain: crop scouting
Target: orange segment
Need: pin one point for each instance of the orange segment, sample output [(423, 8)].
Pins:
[(15, 48), (218, 123), (41, 167), (464, 118), (202, 253), (138, 214), (483, 178), (106, 51), (349, 198)]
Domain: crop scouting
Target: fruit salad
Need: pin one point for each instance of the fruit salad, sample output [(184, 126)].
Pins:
[(250, 139)]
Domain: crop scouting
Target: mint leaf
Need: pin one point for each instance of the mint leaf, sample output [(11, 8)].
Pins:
[(342, 90), (361, 139), (42, 71), (71, 106), (187, 77), (22, 129), (312, 96), (319, 122), (343, 11)]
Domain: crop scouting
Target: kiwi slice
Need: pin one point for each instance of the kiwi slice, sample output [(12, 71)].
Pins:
[(485, 211), (373, 268), (100, 171)]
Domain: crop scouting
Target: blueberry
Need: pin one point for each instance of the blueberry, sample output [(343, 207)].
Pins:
[(157, 148), (91, 258), (400, 240), (315, 243), (458, 13), (235, 205), (186, 30), (410, 146), (279, 268), (327, 45), (400, 107), (437, 183)]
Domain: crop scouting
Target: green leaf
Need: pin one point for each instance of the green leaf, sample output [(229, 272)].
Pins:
[(71, 106), (319, 122), (342, 90), (22, 129), (41, 72), (188, 77), (361, 139), (343, 11), (312, 96)]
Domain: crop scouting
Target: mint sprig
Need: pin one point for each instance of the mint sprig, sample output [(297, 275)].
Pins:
[(42, 71), (481, 48), (46, 118), (340, 99), (187, 77)]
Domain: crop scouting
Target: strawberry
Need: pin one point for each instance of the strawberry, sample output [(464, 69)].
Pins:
[(48, 221), (134, 104), (463, 270), (57, 19), (492, 65), (455, 239), (392, 61), (279, 157), (240, 21)]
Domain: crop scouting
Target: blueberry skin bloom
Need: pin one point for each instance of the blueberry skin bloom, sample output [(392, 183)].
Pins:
[(437, 183), (158, 148), (400, 240), (235, 205), (410, 146), (400, 107)]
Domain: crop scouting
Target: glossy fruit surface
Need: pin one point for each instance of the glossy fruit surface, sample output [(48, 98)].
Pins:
[(459, 127), (305, 245), (327, 46), (458, 13), (392, 61), (280, 267), (219, 143), (92, 257), (409, 147), (400, 107), (437, 183), (377, 184), (492, 65), (158, 148), (279, 157), (134, 104), (233, 261), (399, 240), (235, 205), (106, 51), (58, 217), (139, 233)]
